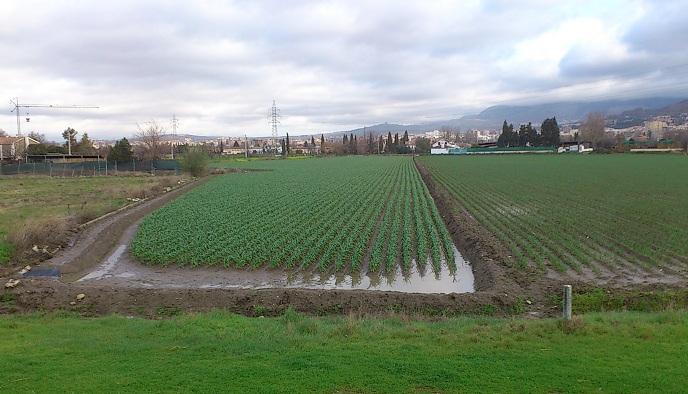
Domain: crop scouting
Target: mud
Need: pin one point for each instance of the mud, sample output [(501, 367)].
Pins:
[(122, 270), (50, 295)]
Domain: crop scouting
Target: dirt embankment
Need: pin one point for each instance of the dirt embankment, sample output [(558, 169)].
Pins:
[(49, 295), (486, 254)]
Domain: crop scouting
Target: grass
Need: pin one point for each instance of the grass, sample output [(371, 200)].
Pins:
[(211, 352), (571, 211), (37, 199), (239, 161)]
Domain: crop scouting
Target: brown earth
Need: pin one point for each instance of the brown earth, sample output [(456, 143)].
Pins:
[(501, 288)]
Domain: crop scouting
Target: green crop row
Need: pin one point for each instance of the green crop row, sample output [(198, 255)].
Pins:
[(343, 214), (613, 212)]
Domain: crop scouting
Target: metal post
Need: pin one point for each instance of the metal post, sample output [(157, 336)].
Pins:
[(567, 302)]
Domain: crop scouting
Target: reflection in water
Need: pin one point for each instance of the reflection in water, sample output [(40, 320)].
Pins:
[(460, 281)]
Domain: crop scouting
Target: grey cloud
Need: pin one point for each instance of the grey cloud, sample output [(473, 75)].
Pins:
[(218, 65)]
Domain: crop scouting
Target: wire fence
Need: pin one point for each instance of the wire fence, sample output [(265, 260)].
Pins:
[(91, 168)]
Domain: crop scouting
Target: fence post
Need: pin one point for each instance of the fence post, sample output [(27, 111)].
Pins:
[(567, 302)]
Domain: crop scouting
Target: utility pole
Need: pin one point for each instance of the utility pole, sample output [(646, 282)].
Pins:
[(274, 120), (17, 105), (69, 141)]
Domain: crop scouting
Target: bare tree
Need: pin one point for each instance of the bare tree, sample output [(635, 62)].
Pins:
[(150, 137), (680, 139), (592, 129), (36, 136)]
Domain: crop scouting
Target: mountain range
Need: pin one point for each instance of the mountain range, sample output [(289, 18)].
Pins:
[(565, 112), (627, 112)]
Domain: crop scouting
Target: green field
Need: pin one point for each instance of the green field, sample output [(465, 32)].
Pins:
[(573, 211), (337, 213), (40, 199), (220, 352)]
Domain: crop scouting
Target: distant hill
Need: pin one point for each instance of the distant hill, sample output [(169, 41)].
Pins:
[(492, 117), (637, 116), (565, 112)]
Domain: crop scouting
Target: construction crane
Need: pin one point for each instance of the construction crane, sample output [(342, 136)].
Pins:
[(17, 105)]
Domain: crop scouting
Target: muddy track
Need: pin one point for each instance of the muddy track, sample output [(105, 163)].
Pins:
[(92, 245)]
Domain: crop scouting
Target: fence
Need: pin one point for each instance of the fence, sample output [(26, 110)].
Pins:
[(90, 168)]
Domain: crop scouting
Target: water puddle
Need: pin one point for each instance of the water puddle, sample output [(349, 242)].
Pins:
[(444, 282)]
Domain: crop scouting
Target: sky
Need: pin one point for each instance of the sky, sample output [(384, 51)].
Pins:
[(334, 65)]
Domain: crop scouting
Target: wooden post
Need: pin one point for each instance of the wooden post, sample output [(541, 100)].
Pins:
[(567, 302)]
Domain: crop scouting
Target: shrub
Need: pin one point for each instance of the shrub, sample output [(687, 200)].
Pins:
[(195, 162)]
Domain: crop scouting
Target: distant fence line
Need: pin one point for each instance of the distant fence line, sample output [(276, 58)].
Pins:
[(90, 168)]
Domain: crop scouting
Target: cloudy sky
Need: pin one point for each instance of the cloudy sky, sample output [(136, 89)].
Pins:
[(330, 65)]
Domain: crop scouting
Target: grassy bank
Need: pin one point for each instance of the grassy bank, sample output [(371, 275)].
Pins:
[(617, 352), (46, 201)]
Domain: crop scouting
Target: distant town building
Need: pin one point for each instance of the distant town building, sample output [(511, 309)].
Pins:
[(14, 148)]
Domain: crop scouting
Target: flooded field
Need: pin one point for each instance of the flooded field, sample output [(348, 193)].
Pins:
[(121, 270)]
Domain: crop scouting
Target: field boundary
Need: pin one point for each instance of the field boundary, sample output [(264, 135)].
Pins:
[(471, 239)]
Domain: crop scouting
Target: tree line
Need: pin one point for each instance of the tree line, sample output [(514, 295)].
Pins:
[(527, 135)]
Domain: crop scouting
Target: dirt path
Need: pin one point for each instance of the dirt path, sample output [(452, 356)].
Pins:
[(94, 243)]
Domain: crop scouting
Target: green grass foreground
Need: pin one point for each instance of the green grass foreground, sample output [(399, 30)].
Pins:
[(218, 352)]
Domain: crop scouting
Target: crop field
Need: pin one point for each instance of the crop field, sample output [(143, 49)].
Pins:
[(345, 214), (567, 212)]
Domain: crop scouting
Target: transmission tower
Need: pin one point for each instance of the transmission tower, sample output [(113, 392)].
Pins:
[(274, 121), (175, 121), (17, 105)]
